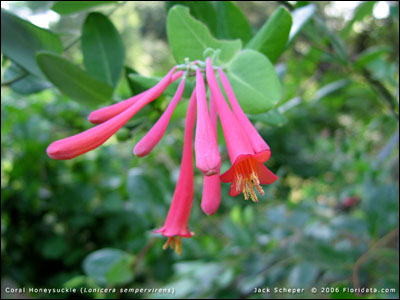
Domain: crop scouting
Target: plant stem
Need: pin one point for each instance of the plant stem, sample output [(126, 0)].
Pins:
[(14, 80), (363, 258)]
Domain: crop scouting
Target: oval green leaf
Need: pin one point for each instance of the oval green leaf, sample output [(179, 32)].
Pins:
[(204, 11), (73, 81), (70, 7), (272, 117), (232, 23), (300, 18), (272, 37), (21, 40), (189, 37), (254, 81), (109, 266), (103, 49)]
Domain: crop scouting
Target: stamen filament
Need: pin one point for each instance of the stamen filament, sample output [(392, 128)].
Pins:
[(175, 243), (246, 179)]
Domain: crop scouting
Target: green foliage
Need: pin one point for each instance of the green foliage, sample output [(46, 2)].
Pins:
[(232, 23), (73, 81), (203, 11), (272, 37), (323, 93), (102, 48), (70, 7), (21, 40), (300, 17), (30, 84), (254, 81), (188, 37), (109, 266)]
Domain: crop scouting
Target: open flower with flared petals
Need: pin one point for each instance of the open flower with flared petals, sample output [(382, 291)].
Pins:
[(248, 171), (258, 144), (176, 224), (247, 150)]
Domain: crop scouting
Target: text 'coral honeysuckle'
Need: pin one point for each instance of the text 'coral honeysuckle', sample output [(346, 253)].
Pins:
[(246, 148)]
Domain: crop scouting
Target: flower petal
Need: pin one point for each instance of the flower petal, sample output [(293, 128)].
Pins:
[(208, 160), (257, 142), (94, 137), (236, 139), (179, 211), (105, 113), (154, 135)]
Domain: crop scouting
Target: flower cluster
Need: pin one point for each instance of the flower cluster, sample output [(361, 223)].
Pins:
[(247, 150)]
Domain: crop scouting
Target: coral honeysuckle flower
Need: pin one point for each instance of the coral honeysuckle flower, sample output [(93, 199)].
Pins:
[(211, 196), (247, 150), (260, 147), (105, 113), (92, 138), (176, 224), (248, 171), (154, 135), (208, 160)]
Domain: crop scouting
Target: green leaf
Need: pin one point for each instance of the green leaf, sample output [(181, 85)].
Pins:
[(103, 49), (303, 274), (21, 40), (70, 7), (370, 54), (300, 17), (272, 37), (254, 81), (330, 88), (189, 38), (148, 82), (29, 84), (272, 117), (204, 11), (120, 272), (336, 42), (134, 87), (109, 266), (73, 81), (364, 9), (232, 23)]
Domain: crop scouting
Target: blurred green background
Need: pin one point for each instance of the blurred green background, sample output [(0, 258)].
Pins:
[(331, 220)]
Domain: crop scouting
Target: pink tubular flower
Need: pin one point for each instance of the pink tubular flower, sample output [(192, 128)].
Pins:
[(208, 160), (260, 147), (247, 171), (176, 224), (151, 139), (105, 113), (94, 137), (211, 196)]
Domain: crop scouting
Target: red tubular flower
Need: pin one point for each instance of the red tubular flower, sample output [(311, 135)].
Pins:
[(151, 139), (94, 137), (208, 160), (260, 147), (105, 113), (176, 224), (247, 171), (211, 196)]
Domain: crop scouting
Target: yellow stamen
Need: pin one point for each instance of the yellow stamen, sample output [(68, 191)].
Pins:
[(246, 179), (175, 243)]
